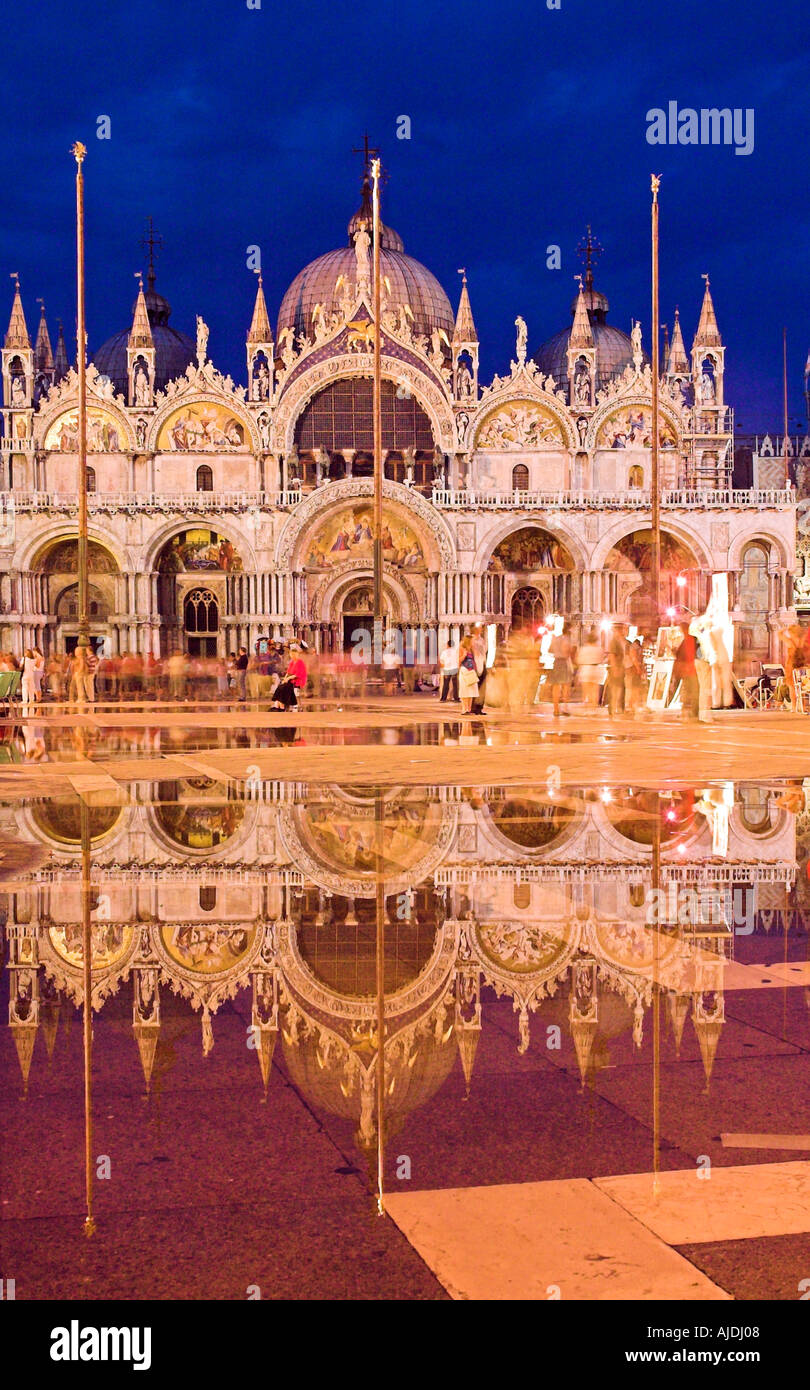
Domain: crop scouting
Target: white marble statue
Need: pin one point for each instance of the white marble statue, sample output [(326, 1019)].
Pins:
[(202, 340), (522, 339)]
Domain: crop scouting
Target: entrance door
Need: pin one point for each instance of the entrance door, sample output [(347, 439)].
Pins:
[(358, 632)]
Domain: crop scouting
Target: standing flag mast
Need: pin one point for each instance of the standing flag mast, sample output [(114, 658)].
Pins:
[(378, 463), (78, 150), (654, 481)]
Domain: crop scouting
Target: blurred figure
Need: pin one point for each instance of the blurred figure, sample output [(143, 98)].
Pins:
[(56, 677), (392, 661), (588, 661), (81, 690), (684, 671), (177, 666), (635, 677), (479, 651), (561, 673), (614, 684), (29, 683), (240, 667)]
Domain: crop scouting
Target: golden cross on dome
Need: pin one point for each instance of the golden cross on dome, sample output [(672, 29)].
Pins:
[(589, 251), (151, 242)]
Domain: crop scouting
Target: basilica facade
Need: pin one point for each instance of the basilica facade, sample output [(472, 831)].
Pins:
[(220, 514)]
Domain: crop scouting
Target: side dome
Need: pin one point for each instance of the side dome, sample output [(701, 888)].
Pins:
[(614, 349), (173, 350), (411, 282)]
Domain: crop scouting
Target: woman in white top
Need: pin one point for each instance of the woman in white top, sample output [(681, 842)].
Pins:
[(39, 672)]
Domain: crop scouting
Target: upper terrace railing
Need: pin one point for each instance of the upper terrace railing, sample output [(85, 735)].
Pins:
[(208, 503), (634, 499)]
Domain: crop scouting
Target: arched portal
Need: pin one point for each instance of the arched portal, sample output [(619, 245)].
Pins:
[(194, 571), (55, 593), (628, 571), (538, 575)]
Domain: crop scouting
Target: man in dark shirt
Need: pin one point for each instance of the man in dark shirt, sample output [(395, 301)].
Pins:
[(240, 666)]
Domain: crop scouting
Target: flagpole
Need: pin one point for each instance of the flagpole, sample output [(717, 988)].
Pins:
[(654, 480), (79, 151), (378, 462)]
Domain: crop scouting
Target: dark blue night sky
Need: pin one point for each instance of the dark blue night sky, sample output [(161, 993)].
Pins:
[(235, 127)]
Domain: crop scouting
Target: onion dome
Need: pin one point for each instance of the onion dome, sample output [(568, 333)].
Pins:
[(410, 282), (614, 349), (173, 350)]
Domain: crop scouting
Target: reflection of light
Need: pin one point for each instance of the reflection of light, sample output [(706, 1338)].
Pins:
[(682, 849), (671, 815), (605, 625), (670, 612), (607, 796), (632, 633), (681, 581)]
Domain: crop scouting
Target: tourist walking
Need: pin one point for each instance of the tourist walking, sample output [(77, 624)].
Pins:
[(614, 682), (684, 671), (591, 670), (81, 689), (479, 651), (176, 667), (634, 677), (561, 674), (29, 684), (448, 666)]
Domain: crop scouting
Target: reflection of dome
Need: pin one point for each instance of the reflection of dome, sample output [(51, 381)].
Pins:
[(190, 821), (173, 350), (614, 350), (61, 820), (411, 283)]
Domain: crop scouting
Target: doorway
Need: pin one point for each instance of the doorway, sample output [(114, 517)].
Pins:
[(358, 632)]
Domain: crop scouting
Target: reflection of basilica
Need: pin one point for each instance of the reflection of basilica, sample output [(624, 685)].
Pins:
[(487, 893), (503, 502)]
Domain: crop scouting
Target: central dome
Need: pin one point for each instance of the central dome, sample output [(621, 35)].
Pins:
[(410, 282), (614, 349), (173, 350)]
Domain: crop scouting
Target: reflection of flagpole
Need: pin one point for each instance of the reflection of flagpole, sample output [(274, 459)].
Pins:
[(380, 906), (378, 463), (656, 1001), (79, 151), (654, 483), (87, 1021)]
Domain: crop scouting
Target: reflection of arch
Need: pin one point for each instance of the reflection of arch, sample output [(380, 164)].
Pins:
[(531, 823), (198, 815)]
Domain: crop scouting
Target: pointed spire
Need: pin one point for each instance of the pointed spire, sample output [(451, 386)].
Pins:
[(464, 331), (43, 354), (677, 361), (49, 1017), (708, 1035), (581, 332), (259, 331), (140, 335), (17, 335), (708, 334), (61, 364)]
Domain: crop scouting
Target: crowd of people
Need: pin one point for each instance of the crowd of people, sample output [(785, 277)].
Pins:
[(610, 673)]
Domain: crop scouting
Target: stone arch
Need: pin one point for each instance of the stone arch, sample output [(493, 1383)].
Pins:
[(527, 393), (678, 529), (148, 559), (45, 418), (771, 543), (50, 535), (509, 525), (401, 371), (211, 398), (326, 602), (668, 414), (413, 508)]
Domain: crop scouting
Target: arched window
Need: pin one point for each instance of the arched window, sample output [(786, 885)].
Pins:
[(205, 478), (638, 893), (522, 896), (90, 475), (201, 613), (208, 899), (528, 609), (520, 478), (635, 477)]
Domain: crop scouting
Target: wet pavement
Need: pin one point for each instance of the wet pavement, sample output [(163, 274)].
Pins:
[(596, 1001)]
